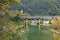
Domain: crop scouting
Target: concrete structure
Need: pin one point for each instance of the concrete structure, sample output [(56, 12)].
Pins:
[(42, 20), (37, 17)]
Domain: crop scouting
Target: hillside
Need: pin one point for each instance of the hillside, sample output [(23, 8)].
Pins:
[(38, 7)]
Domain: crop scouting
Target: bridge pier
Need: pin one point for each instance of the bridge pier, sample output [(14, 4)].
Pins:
[(39, 23), (27, 23)]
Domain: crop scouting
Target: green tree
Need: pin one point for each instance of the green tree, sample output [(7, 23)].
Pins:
[(16, 18), (5, 3)]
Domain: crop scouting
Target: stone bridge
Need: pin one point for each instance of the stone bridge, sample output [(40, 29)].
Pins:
[(40, 19)]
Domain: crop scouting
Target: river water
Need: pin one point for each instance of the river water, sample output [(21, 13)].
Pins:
[(35, 34)]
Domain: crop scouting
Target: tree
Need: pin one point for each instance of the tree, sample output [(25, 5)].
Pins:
[(5, 3), (56, 23), (16, 18)]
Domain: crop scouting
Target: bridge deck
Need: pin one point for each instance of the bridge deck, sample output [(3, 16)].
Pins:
[(37, 17)]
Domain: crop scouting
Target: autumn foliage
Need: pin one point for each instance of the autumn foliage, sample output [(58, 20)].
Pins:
[(56, 23), (5, 3)]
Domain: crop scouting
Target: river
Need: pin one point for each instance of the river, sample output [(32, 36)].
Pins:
[(36, 34)]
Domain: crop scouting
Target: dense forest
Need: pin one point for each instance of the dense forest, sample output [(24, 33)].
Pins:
[(38, 7)]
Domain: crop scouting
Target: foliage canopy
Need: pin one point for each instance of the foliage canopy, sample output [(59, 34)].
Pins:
[(5, 3)]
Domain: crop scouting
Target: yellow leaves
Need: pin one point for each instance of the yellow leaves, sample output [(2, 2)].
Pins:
[(5, 0), (54, 35), (4, 6), (16, 0), (56, 22), (5, 3), (17, 12)]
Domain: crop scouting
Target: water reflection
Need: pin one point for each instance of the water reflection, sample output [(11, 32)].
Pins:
[(35, 34)]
